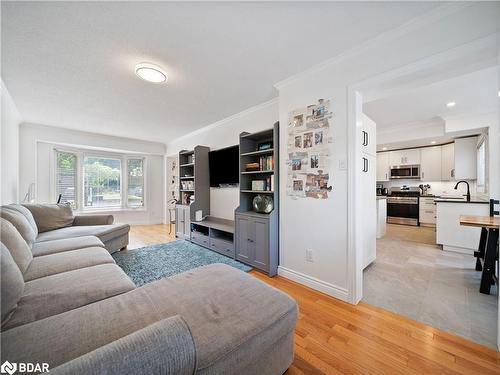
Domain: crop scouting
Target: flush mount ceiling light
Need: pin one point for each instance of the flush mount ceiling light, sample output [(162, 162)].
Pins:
[(451, 104), (151, 73)]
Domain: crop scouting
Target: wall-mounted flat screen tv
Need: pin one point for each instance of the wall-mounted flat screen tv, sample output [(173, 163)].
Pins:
[(224, 166)]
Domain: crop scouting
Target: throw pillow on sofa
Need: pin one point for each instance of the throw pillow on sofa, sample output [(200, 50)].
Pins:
[(51, 216)]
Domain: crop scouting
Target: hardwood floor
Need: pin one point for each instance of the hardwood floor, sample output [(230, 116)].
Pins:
[(333, 337)]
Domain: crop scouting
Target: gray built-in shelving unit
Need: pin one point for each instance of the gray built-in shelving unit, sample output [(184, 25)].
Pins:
[(193, 171), (256, 234)]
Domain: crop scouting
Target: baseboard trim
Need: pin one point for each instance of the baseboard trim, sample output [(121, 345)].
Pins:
[(314, 283), (461, 250)]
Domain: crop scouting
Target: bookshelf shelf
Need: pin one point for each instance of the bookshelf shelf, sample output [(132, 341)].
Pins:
[(258, 191), (257, 172), (261, 152)]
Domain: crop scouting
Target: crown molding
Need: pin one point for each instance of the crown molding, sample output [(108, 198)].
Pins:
[(226, 120)]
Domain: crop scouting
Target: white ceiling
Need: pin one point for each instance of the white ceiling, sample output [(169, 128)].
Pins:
[(71, 64), (474, 93)]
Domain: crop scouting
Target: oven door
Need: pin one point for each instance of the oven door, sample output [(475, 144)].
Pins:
[(402, 210)]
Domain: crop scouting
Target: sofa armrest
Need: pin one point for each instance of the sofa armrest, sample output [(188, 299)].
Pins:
[(164, 347), (93, 220)]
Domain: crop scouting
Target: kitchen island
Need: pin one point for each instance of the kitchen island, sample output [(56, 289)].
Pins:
[(449, 233)]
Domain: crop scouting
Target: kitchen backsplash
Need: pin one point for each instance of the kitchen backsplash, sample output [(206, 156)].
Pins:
[(437, 187)]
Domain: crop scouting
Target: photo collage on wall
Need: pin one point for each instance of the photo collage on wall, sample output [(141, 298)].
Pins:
[(309, 136)]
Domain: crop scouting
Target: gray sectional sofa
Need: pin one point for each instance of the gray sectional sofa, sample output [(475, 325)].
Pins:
[(68, 304)]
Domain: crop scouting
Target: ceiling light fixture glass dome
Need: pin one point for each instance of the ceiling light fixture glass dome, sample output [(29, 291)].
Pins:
[(151, 73)]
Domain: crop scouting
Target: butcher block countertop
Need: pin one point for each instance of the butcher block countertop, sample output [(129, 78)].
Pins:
[(490, 222)]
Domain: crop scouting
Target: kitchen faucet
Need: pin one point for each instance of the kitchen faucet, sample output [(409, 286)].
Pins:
[(468, 190)]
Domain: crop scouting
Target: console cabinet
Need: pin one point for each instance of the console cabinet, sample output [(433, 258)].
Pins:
[(254, 244), (182, 222)]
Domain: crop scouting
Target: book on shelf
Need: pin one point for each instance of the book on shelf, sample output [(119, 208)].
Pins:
[(263, 185), (266, 163)]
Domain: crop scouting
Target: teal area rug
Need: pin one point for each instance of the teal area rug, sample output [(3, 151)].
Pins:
[(152, 263)]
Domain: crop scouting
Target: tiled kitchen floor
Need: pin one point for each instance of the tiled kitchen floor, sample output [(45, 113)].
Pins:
[(415, 278)]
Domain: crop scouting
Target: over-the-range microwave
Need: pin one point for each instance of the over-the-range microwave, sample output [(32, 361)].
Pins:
[(405, 171)]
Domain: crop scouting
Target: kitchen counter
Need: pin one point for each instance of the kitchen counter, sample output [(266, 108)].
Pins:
[(472, 200)]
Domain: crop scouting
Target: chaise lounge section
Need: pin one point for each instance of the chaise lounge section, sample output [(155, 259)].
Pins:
[(79, 312), (48, 223)]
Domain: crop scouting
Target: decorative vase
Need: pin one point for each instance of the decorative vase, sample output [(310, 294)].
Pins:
[(263, 204)]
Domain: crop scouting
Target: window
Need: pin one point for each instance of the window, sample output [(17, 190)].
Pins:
[(481, 166), (66, 178), (135, 183), (102, 182)]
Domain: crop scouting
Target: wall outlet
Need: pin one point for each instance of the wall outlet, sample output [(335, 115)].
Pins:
[(309, 255)]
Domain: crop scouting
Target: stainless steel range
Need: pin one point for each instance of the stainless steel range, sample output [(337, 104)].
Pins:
[(402, 206)]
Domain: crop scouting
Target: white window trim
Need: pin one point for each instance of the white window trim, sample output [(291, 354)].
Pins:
[(80, 156)]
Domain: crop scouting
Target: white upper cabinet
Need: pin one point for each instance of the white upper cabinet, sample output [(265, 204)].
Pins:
[(383, 166), (430, 163), (404, 157), (466, 158), (368, 136), (448, 162)]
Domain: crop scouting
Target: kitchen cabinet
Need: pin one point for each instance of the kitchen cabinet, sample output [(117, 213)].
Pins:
[(449, 232), (465, 158), (430, 163), (368, 179), (383, 166), (448, 162), (404, 157), (368, 136), (254, 244), (381, 218), (182, 222), (427, 211)]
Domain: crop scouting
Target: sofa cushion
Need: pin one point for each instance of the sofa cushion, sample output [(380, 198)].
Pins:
[(232, 316), (16, 245), (51, 216), (66, 291), (66, 244), (27, 214), (47, 265), (20, 222), (104, 232), (12, 283)]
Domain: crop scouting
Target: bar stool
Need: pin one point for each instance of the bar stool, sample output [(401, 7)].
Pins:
[(487, 254)]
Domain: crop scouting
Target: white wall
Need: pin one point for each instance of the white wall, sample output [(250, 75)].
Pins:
[(36, 149), (224, 133), (326, 227), (9, 148)]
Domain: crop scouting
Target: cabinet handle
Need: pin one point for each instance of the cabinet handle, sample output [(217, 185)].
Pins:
[(249, 240), (423, 174), (453, 172), (365, 165), (386, 176)]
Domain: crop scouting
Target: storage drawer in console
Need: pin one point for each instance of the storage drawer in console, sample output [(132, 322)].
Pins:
[(200, 239), (221, 246)]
